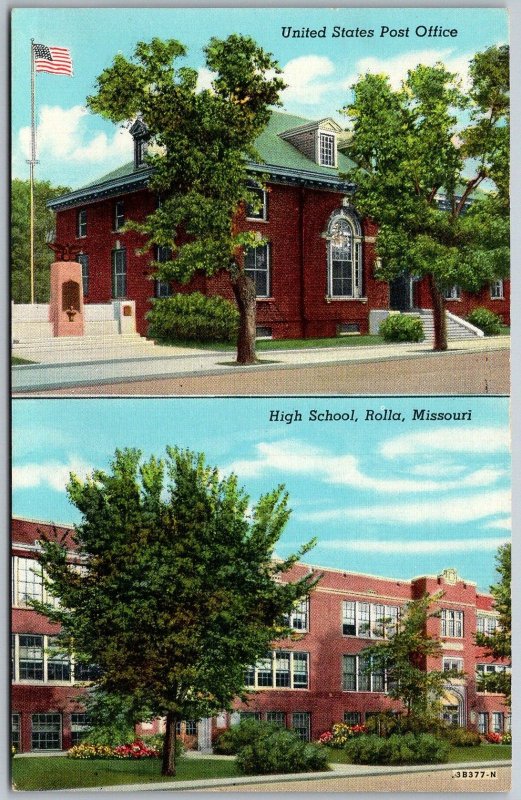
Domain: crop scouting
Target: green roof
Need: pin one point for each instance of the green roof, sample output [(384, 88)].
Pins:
[(275, 153)]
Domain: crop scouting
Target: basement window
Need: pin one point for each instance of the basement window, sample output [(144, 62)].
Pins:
[(262, 332), (348, 329)]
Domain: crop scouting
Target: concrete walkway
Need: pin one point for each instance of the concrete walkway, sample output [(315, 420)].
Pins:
[(272, 782), (175, 364)]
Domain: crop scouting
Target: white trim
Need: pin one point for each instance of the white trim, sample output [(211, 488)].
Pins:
[(469, 326)]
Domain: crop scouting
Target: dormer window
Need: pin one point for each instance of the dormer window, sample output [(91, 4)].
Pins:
[(326, 149), (139, 133), (140, 150)]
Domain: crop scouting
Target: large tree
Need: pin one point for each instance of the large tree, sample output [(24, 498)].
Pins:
[(498, 644), (175, 591), (404, 655), (421, 153), (202, 140), (20, 240)]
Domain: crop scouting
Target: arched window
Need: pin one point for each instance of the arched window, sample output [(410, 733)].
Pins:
[(344, 256)]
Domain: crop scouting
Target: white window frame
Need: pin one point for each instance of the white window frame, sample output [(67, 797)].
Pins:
[(452, 662), (19, 566), (60, 732), (497, 722), (302, 730), (81, 223), (119, 273), (492, 669), (262, 214), (452, 621), (266, 668), (326, 148), (83, 259), (119, 214), (354, 612), (483, 722), (486, 625), (298, 620), (452, 293), (352, 246), (47, 647), (253, 270), (497, 290)]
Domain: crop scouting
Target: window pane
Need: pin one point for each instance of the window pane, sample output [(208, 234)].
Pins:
[(349, 673), (352, 717), (278, 717), (348, 618), (256, 266), (301, 724), (264, 672), (46, 732), (83, 259), (300, 670), (282, 673), (30, 581), (58, 664), (30, 658)]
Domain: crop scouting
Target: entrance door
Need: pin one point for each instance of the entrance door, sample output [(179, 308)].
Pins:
[(400, 293)]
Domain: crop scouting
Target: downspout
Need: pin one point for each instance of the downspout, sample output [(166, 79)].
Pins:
[(302, 295)]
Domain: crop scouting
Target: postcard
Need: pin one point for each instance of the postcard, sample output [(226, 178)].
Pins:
[(260, 318)]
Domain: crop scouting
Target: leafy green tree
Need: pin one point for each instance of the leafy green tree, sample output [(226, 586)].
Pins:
[(404, 655), (20, 241), (410, 150), (201, 143), (175, 591), (499, 643)]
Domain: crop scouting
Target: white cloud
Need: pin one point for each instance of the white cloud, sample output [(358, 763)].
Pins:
[(400, 546), (62, 135), (294, 457), (204, 79), (449, 440), (398, 66), (54, 474), (502, 524), (437, 469), (469, 508), (305, 79)]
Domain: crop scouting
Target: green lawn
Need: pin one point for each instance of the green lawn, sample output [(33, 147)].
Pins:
[(283, 344), (457, 755), (69, 773)]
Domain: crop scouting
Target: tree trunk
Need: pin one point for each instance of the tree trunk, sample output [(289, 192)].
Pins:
[(244, 291), (168, 766), (438, 316)]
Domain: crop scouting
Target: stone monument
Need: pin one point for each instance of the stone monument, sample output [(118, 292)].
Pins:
[(66, 300)]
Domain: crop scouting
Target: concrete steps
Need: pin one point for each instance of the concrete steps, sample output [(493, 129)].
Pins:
[(457, 328)]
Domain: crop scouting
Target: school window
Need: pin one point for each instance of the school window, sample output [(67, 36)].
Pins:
[(326, 144), (255, 715), (119, 214), (30, 658), (452, 664), (298, 619), (482, 722), (280, 669), (15, 731), (257, 267), (300, 723), (369, 620), (452, 293), (28, 581), (452, 623), (344, 259), (491, 669), (83, 259), (79, 727), (191, 727), (58, 662), (85, 673), (259, 208), (46, 732), (277, 717), (357, 675), (497, 290), (119, 273), (486, 625), (81, 222), (497, 722), (140, 151), (352, 717)]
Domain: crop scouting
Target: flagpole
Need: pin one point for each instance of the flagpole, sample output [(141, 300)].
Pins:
[(32, 163)]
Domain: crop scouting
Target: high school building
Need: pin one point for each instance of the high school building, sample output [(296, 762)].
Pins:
[(308, 682), (315, 274)]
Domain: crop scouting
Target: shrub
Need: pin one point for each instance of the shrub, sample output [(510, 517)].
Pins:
[(193, 317), (85, 750), (422, 748), (138, 749), (506, 738), (238, 736), (463, 737), (110, 735), (486, 320), (280, 751), (402, 328)]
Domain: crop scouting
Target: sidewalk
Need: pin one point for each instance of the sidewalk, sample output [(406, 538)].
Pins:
[(27, 377), (337, 772)]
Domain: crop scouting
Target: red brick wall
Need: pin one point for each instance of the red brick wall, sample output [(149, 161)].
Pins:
[(468, 301)]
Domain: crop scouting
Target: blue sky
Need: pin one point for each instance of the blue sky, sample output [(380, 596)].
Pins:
[(75, 147), (397, 498)]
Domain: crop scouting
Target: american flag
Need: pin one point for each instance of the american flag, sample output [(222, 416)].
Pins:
[(56, 60)]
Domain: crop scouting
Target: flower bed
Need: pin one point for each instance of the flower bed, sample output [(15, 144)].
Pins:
[(137, 749), (494, 738), (340, 734)]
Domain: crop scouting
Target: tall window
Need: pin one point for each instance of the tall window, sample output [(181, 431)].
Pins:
[(46, 732), (119, 273), (140, 151), (81, 222), (257, 267), (28, 581), (483, 722), (15, 731), (497, 290), (79, 727), (298, 619), (163, 288), (497, 722), (326, 145), (119, 214), (58, 662), (486, 625), (300, 723), (280, 669), (452, 623), (344, 255), (30, 658), (83, 259), (357, 675), (259, 210)]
